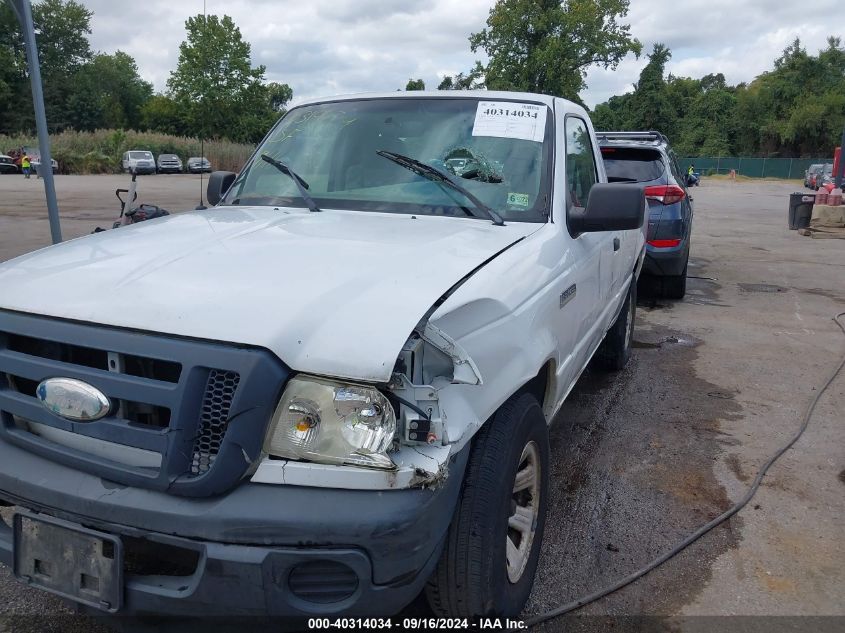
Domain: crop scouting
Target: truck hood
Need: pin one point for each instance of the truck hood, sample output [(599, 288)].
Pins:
[(335, 293)]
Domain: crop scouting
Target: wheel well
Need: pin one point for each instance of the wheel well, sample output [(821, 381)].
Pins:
[(538, 386)]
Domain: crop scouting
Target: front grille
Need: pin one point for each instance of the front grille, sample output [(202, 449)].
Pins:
[(172, 400), (214, 418), (141, 366), (323, 582), (139, 413)]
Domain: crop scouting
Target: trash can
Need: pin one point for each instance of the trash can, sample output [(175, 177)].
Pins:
[(800, 210)]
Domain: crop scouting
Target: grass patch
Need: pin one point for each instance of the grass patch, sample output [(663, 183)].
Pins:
[(741, 178)]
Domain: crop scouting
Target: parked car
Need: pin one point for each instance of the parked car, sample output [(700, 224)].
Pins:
[(36, 164), (810, 174), (647, 158), (271, 407), (197, 164), (34, 154), (817, 176), (169, 164), (824, 178), (7, 165), (17, 154), (138, 162)]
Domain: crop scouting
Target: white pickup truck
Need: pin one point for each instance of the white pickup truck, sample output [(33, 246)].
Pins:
[(331, 391)]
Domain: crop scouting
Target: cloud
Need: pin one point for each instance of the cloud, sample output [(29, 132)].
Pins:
[(739, 40), (327, 47)]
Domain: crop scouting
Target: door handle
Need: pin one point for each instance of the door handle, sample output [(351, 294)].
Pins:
[(615, 243)]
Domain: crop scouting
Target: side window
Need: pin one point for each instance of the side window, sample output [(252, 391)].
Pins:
[(580, 162), (676, 171)]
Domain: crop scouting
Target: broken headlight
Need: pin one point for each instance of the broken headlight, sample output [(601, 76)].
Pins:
[(331, 422)]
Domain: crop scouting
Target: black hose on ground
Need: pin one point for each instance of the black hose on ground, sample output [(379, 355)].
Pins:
[(704, 529)]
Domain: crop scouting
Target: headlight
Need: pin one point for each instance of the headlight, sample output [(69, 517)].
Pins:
[(331, 422)]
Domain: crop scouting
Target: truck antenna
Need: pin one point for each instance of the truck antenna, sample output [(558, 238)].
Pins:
[(201, 206)]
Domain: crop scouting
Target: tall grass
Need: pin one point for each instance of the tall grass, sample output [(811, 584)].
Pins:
[(100, 152)]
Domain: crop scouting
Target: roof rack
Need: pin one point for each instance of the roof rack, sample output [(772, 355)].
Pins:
[(652, 135)]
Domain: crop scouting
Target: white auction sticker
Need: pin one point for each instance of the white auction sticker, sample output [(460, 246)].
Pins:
[(505, 119)]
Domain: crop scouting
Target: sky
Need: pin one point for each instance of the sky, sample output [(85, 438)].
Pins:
[(329, 47)]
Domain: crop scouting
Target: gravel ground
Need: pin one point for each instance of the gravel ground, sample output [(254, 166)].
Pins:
[(641, 458)]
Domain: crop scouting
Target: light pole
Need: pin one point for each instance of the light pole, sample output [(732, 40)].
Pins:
[(23, 11)]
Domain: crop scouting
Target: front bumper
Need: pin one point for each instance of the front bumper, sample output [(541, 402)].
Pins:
[(259, 550)]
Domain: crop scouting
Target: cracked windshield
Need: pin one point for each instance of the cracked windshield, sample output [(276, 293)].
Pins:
[(393, 155)]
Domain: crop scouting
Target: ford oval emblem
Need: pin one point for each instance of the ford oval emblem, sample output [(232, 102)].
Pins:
[(73, 399)]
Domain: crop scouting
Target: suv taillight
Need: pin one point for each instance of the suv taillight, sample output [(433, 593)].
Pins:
[(665, 194), (665, 243)]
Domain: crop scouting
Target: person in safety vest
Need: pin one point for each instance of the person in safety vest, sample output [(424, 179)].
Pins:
[(26, 166)]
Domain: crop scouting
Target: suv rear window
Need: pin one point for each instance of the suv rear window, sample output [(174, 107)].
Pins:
[(632, 164)]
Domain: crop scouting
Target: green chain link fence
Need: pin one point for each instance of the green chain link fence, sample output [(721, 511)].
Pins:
[(753, 167)]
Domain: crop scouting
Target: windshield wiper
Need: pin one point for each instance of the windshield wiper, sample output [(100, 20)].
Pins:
[(435, 175), (300, 183)]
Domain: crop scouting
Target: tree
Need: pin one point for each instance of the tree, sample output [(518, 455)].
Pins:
[(162, 114), (546, 46), (279, 95), (108, 93), (215, 88), (612, 115), (472, 80), (415, 84), (650, 107), (13, 86), (707, 130), (62, 28)]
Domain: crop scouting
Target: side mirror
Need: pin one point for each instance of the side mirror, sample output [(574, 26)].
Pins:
[(610, 207), (218, 185)]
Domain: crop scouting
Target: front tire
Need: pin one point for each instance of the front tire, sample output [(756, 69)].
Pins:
[(493, 544), (615, 350)]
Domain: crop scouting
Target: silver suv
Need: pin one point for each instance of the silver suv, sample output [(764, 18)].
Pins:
[(169, 164), (197, 164)]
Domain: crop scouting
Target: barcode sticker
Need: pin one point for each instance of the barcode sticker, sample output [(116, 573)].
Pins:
[(504, 119)]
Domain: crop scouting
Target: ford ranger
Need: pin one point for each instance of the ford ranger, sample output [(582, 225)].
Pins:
[(331, 391)]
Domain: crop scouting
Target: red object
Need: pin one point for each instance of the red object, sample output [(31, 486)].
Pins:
[(821, 196), (664, 243), (665, 194), (607, 150), (837, 156)]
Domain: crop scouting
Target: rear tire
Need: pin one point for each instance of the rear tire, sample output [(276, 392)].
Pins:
[(675, 286), (615, 350), (493, 544)]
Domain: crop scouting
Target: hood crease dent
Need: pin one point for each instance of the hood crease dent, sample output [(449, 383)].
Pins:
[(334, 293)]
